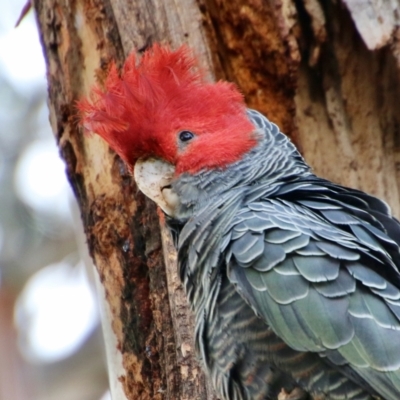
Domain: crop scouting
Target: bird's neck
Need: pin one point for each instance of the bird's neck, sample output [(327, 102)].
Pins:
[(268, 165)]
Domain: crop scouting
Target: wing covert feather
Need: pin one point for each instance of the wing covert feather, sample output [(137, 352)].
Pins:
[(318, 285)]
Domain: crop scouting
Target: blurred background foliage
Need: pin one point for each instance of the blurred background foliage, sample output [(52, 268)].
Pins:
[(50, 339)]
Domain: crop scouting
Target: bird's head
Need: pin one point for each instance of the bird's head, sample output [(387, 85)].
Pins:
[(164, 119)]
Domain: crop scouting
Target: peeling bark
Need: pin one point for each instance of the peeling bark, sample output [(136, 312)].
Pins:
[(326, 72), (375, 20)]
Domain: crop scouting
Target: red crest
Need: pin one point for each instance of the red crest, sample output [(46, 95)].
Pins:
[(141, 111)]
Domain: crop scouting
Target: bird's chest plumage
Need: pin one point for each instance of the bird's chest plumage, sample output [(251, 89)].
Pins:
[(239, 349), (232, 341)]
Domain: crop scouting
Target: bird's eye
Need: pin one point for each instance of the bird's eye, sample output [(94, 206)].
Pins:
[(185, 136)]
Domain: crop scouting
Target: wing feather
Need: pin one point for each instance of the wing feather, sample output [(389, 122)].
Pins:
[(313, 272)]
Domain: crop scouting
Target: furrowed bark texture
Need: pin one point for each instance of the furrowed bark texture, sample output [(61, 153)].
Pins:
[(326, 72)]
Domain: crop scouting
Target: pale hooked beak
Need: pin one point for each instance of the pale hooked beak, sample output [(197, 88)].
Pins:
[(153, 177)]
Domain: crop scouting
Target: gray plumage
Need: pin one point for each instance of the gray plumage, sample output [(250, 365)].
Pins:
[(294, 281)]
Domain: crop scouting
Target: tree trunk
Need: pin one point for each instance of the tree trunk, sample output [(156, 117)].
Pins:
[(326, 72)]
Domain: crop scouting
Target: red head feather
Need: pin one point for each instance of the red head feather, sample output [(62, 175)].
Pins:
[(142, 110)]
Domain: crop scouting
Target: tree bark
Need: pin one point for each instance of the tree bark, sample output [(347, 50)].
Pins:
[(326, 72)]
